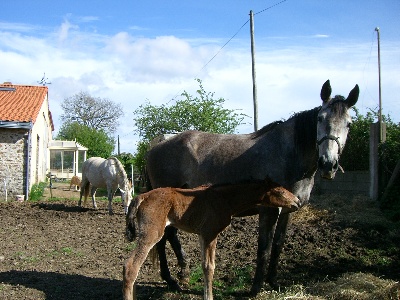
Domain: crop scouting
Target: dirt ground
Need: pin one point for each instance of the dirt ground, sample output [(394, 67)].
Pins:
[(57, 250)]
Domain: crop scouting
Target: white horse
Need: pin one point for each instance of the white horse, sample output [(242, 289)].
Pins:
[(105, 173)]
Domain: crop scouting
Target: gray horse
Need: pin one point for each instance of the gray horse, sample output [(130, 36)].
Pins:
[(289, 152), (105, 173)]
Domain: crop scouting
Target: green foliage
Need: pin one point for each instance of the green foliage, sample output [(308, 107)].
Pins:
[(202, 112), (356, 153), (127, 160), (98, 142), (37, 191)]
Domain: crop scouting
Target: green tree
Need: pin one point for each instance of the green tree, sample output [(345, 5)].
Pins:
[(127, 160), (96, 113), (97, 141), (356, 153), (202, 112)]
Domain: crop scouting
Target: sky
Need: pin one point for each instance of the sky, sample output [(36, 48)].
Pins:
[(136, 51)]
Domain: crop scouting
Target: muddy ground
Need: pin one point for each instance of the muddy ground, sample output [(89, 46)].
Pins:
[(53, 249)]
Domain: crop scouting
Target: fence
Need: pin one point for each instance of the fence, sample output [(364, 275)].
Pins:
[(350, 182)]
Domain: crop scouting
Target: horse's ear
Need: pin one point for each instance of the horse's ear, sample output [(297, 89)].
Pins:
[(353, 96), (326, 91)]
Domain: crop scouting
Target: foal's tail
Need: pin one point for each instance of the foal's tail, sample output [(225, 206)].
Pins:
[(131, 232)]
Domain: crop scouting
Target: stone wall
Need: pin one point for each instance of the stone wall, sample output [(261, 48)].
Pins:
[(350, 182), (13, 145)]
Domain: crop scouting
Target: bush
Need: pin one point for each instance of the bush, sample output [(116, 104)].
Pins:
[(37, 191)]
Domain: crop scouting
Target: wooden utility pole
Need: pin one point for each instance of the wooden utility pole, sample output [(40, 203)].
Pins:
[(253, 67), (381, 135), (118, 147)]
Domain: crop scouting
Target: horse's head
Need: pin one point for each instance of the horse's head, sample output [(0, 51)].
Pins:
[(126, 195), (333, 126)]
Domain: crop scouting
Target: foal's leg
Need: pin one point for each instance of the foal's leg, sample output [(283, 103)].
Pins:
[(208, 264), (132, 267), (93, 191), (277, 245), (268, 219), (165, 274)]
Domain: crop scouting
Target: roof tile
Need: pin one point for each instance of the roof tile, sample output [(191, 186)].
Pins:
[(22, 104)]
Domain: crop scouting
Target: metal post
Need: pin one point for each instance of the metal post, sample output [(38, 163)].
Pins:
[(253, 67)]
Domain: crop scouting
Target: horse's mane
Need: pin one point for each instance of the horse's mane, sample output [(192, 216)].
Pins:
[(305, 128), (119, 165), (265, 129)]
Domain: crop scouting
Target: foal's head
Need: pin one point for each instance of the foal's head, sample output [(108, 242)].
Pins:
[(278, 196)]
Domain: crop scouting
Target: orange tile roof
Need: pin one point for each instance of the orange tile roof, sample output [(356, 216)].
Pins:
[(22, 104)]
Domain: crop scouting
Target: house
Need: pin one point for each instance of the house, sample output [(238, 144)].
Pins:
[(26, 127)]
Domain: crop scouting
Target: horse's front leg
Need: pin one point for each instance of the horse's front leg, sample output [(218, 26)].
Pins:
[(165, 273), (268, 219), (93, 191), (208, 264), (110, 194), (277, 245)]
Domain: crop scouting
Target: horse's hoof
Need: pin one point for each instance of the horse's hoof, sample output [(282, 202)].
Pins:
[(184, 277), (274, 285), (174, 286), (255, 289)]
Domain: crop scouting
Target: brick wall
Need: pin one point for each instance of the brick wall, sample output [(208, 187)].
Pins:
[(12, 162)]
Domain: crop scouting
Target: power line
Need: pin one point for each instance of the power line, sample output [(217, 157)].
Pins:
[(248, 20), (276, 4)]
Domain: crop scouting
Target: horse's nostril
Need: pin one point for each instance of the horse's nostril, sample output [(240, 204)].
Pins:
[(336, 165), (320, 163)]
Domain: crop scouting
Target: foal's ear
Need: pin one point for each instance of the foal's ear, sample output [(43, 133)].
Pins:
[(353, 96), (326, 91)]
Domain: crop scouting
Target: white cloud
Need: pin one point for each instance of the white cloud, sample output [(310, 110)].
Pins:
[(129, 70)]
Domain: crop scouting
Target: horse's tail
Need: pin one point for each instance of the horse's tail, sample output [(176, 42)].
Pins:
[(147, 180), (131, 232)]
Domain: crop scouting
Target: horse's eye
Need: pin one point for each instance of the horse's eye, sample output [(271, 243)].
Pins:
[(349, 125), (319, 119)]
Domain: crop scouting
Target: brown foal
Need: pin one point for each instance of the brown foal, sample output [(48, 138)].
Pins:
[(206, 211)]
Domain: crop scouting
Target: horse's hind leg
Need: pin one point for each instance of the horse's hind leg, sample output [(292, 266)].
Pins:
[(94, 197), (165, 274), (172, 236), (84, 191)]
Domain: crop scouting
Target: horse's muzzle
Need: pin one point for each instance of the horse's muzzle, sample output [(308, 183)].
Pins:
[(327, 168)]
